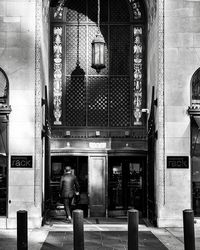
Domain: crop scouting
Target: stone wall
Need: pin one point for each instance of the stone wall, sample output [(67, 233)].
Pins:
[(173, 57), (20, 58), (181, 59)]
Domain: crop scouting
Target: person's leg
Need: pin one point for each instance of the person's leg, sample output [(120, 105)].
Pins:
[(70, 208), (67, 208)]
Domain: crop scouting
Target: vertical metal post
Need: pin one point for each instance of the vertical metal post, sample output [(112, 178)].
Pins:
[(133, 221), (78, 229), (22, 230), (188, 226)]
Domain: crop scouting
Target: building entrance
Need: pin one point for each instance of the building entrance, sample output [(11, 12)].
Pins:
[(125, 185), (79, 166)]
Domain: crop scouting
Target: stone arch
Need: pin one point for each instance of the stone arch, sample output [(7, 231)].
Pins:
[(195, 88)]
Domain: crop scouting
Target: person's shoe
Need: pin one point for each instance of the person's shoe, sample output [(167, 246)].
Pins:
[(69, 219)]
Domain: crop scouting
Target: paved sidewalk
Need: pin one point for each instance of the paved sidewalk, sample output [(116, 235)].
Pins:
[(98, 235)]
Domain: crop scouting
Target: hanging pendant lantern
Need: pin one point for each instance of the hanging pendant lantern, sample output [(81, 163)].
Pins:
[(98, 48), (98, 52)]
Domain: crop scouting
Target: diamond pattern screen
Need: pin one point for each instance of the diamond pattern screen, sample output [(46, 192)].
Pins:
[(75, 48), (119, 102), (98, 101), (76, 101), (119, 49)]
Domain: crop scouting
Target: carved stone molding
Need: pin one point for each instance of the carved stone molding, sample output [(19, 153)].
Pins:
[(138, 74), (138, 71), (38, 95), (58, 14), (161, 117), (57, 74)]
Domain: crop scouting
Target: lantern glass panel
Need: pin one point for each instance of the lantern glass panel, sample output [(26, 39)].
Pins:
[(97, 54), (98, 57)]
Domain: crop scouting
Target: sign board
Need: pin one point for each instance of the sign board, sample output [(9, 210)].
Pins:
[(177, 162), (21, 161), (99, 145)]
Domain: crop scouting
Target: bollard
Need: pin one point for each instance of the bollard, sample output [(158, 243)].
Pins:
[(22, 232), (188, 226), (133, 220), (78, 229)]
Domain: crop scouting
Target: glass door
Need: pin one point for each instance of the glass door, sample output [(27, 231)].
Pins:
[(125, 183)]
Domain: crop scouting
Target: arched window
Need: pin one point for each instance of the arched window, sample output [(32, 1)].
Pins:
[(3, 87), (81, 97), (195, 84), (4, 112), (194, 111)]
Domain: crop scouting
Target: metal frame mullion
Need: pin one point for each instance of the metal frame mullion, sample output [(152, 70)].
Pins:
[(86, 76)]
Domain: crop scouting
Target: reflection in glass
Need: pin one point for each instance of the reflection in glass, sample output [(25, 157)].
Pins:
[(124, 184)]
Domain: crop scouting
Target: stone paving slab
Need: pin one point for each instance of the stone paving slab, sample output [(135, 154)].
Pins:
[(109, 240), (62, 238), (178, 234)]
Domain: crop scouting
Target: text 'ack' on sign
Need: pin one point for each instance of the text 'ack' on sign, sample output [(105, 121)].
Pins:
[(177, 162), (21, 161)]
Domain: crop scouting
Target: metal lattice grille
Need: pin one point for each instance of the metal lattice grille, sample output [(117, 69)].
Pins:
[(76, 9), (112, 97), (76, 101), (98, 101), (76, 48), (119, 102), (119, 50), (118, 11), (92, 12)]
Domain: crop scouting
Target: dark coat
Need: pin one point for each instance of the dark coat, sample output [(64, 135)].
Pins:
[(68, 185)]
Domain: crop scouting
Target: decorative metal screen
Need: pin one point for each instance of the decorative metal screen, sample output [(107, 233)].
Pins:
[(75, 47), (119, 49), (119, 11), (98, 101), (120, 102), (113, 97), (76, 101), (92, 11), (76, 10)]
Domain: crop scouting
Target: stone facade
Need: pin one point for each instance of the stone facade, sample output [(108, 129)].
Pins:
[(173, 56), (22, 49)]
